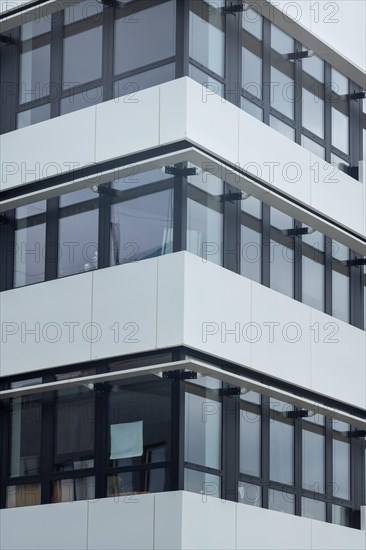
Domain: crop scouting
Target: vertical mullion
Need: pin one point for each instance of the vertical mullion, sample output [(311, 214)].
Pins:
[(182, 39), (355, 125), (47, 441), (298, 464), (230, 444), (52, 239), (297, 263), (177, 428), (298, 94), (327, 111), (104, 224), (328, 275), (266, 70), (232, 233), (265, 450), (100, 435), (180, 209), (232, 56), (56, 62), (357, 477), (266, 245), (4, 448), (107, 52), (7, 249), (328, 467), (356, 290), (9, 81)]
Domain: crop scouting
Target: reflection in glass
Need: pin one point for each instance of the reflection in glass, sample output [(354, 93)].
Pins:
[(141, 217), (83, 10), (252, 109), (313, 509), (250, 494), (78, 233), (203, 411), (25, 436), (341, 515), (86, 98), (141, 81), (34, 76), (340, 282), (282, 92), (202, 483), (29, 248), (313, 270), (145, 36), (313, 457), (313, 147), (250, 439), (35, 28), (341, 461), (82, 59), (206, 34), (252, 22), (340, 130), (339, 82), (281, 443), (33, 116), (314, 66), (281, 501), (281, 127), (143, 402), (251, 73)]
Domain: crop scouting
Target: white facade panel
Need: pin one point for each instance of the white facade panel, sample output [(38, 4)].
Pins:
[(49, 527), (124, 309), (170, 300), (127, 124), (46, 325), (168, 521), (121, 523), (50, 148)]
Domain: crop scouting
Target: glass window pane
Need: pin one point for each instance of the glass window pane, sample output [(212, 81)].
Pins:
[(86, 98), (206, 34), (213, 86), (202, 483), (281, 443), (281, 127), (82, 60), (250, 494), (74, 426), (340, 282), (281, 501), (314, 66), (143, 403), (203, 422), (34, 74), (145, 36), (339, 83), (78, 233), (313, 113), (280, 41), (313, 458), (282, 92), (340, 163), (252, 23), (141, 221), (313, 270), (251, 73), (30, 235), (313, 147), (33, 116), (251, 254), (147, 79), (25, 436), (313, 509), (341, 467), (34, 28), (71, 490), (250, 439), (138, 482), (341, 515), (205, 217), (340, 130), (23, 495), (281, 253), (252, 109), (83, 10)]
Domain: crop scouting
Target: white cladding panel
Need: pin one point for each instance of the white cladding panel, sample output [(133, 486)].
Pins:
[(175, 520), (179, 299)]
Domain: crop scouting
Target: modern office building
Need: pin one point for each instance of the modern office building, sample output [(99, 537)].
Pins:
[(182, 274)]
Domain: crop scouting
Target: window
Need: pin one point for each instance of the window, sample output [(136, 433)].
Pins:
[(313, 457), (29, 247), (251, 239), (341, 460), (282, 253), (282, 73), (206, 34), (281, 446), (34, 77), (340, 282), (250, 434), (205, 217), (313, 270)]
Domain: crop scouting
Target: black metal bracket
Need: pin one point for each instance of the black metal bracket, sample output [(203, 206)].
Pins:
[(180, 375), (356, 262), (358, 433), (233, 390), (236, 8), (357, 95), (6, 40), (297, 231), (231, 196), (299, 55), (185, 172), (297, 414), (3, 219), (110, 3)]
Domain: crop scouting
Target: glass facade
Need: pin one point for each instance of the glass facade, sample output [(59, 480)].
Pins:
[(133, 435)]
